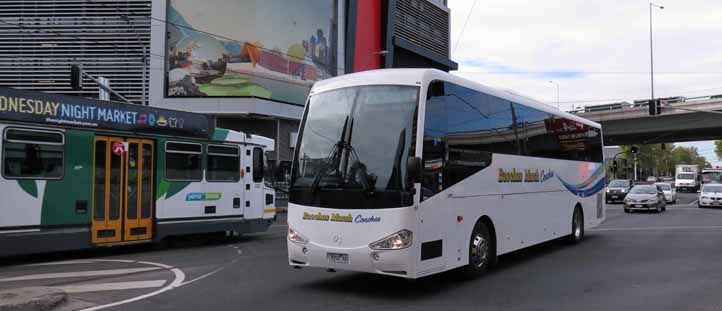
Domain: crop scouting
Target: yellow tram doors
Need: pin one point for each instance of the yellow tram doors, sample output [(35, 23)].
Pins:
[(123, 178)]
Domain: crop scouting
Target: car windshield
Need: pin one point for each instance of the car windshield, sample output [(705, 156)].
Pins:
[(619, 183), (643, 190), (356, 139), (712, 177), (664, 187), (715, 188), (685, 176)]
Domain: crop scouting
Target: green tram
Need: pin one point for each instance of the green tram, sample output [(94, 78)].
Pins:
[(80, 173)]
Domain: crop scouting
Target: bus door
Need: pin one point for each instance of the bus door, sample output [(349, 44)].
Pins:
[(122, 189)]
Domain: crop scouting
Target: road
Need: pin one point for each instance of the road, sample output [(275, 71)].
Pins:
[(639, 261)]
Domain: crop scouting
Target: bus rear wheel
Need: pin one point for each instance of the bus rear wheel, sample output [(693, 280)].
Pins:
[(577, 226), (481, 252)]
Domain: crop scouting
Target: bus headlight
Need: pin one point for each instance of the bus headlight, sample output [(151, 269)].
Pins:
[(398, 240), (296, 237)]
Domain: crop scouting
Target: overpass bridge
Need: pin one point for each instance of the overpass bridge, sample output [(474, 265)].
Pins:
[(679, 121)]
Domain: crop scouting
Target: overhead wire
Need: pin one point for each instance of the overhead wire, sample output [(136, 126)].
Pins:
[(461, 33)]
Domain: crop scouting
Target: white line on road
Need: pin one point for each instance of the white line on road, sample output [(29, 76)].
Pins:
[(58, 263), (202, 276), (77, 274), (693, 203), (656, 228), (179, 277), (86, 288)]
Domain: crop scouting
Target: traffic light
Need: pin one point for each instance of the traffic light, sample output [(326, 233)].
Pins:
[(634, 149), (76, 77), (614, 166), (654, 107)]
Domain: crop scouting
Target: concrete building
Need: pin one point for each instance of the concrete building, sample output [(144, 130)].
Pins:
[(250, 63)]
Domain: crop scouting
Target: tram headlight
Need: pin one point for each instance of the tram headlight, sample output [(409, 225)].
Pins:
[(296, 237), (398, 240)]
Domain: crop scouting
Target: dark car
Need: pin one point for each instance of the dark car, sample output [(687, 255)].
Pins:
[(645, 197), (617, 190)]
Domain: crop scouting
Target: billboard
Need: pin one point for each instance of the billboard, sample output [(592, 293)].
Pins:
[(272, 49)]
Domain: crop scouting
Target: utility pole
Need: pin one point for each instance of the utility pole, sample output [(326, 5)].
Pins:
[(651, 53)]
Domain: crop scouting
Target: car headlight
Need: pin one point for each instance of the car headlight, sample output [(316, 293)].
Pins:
[(624, 190), (652, 201), (296, 237), (705, 198), (398, 240), (607, 190)]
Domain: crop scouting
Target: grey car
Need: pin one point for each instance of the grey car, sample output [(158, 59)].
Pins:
[(646, 198)]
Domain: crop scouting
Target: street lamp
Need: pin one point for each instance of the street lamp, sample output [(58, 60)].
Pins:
[(557, 84), (651, 54)]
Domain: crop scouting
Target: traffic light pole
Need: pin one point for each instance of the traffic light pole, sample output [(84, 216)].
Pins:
[(107, 88), (76, 81), (614, 164), (635, 166)]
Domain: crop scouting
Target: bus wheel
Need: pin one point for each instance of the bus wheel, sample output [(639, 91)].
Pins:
[(577, 226), (481, 254)]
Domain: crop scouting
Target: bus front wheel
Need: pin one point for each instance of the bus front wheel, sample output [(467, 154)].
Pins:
[(481, 252)]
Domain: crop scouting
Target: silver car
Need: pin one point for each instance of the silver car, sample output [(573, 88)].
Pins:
[(670, 195), (646, 198)]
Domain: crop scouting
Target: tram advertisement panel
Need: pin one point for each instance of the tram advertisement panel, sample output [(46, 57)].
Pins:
[(56, 109)]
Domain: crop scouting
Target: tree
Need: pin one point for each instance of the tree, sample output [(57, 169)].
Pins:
[(660, 159), (718, 148)]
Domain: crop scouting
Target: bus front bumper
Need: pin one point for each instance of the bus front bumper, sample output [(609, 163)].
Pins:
[(361, 259)]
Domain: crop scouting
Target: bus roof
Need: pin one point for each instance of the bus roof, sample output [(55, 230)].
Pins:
[(418, 77)]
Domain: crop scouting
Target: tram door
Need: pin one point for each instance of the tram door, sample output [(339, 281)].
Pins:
[(122, 189)]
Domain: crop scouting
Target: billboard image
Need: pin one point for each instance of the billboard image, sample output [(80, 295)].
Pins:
[(270, 49)]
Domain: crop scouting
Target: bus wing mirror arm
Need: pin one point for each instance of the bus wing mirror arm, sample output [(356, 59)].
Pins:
[(414, 169)]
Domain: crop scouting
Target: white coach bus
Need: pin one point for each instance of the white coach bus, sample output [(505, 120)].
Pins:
[(411, 172)]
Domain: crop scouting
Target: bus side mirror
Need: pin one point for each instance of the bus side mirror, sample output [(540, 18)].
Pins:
[(413, 169)]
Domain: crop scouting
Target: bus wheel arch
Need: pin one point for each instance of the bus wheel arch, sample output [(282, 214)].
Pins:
[(482, 248), (577, 234), (486, 220)]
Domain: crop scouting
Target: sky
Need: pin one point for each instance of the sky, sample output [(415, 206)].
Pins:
[(595, 51)]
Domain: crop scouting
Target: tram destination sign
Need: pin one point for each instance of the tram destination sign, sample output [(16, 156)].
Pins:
[(61, 110)]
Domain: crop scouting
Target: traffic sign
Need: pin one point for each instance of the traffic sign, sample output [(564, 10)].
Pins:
[(119, 148)]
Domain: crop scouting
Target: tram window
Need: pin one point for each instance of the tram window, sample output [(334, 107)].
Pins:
[(33, 154), (223, 163), (183, 161)]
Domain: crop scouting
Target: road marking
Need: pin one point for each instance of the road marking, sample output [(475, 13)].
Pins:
[(655, 228), (179, 277), (693, 203), (202, 276), (58, 263), (78, 274), (86, 288)]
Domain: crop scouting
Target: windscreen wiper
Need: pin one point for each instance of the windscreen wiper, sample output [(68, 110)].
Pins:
[(333, 159)]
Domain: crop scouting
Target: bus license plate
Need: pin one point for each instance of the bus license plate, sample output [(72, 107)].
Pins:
[(337, 258)]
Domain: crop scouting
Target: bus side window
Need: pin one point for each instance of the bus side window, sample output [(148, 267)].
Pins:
[(435, 132), (257, 164)]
